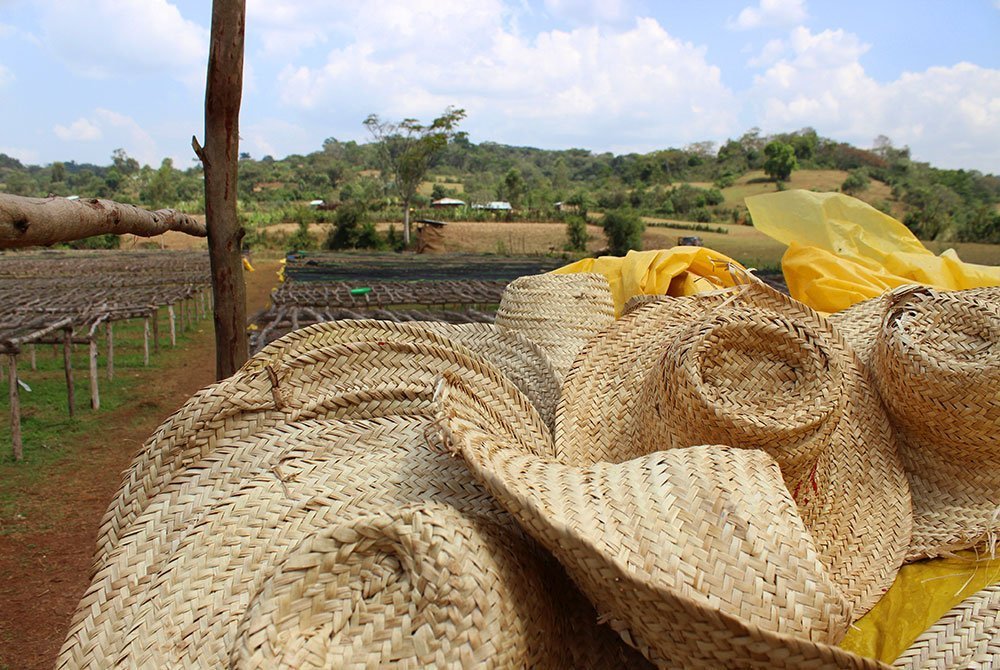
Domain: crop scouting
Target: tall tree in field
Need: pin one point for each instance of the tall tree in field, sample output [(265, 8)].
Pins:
[(223, 95), (406, 149), (780, 160)]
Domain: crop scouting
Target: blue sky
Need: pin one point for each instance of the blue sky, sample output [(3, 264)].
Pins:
[(81, 78)]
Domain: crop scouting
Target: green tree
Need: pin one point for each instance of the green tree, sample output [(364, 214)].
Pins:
[(857, 181), (780, 160), (125, 163), (512, 187), (576, 233), (406, 149), (623, 228), (349, 222)]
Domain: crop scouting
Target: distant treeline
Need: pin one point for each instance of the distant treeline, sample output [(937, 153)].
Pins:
[(950, 205)]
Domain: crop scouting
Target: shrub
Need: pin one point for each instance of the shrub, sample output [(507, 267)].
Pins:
[(302, 239), (394, 239), (701, 215), (368, 237), (96, 242), (576, 233), (623, 228), (856, 181), (347, 225)]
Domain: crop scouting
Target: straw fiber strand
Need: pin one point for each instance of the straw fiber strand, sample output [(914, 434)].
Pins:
[(967, 637)]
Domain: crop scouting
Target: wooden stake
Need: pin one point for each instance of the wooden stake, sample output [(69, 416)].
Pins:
[(145, 341), (173, 325), (68, 367), (95, 394), (15, 409), (111, 350), (34, 363), (156, 330)]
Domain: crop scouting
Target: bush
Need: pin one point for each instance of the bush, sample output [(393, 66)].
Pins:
[(623, 228), (347, 226), (96, 242), (302, 239), (394, 239), (576, 233), (368, 238), (856, 181), (701, 215)]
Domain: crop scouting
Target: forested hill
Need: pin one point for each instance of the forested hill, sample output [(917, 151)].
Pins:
[(700, 182)]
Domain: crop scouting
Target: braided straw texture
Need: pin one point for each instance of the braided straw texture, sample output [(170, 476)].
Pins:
[(935, 357), (349, 380), (696, 556), (425, 569), (516, 356), (750, 367), (967, 637), (559, 313)]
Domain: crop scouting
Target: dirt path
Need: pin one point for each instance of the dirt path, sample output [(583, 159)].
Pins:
[(43, 575)]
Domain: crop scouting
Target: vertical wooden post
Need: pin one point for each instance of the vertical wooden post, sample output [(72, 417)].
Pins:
[(95, 394), (15, 409), (182, 314), (111, 350), (68, 367), (173, 325), (223, 95), (156, 330), (34, 363), (145, 341)]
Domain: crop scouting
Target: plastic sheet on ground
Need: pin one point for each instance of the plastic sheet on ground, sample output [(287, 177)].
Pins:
[(922, 593), (842, 250), (678, 271)]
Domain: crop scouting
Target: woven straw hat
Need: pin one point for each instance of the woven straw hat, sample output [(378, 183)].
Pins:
[(335, 543), (749, 367), (935, 358), (559, 313), (359, 379), (515, 355), (697, 555)]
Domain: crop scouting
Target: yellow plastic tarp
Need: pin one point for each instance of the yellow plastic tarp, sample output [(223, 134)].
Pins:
[(677, 271), (842, 250), (922, 593)]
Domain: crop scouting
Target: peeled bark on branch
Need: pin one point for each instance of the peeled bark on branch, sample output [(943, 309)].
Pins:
[(29, 222)]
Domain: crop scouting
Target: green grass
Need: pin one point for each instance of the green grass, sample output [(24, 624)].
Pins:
[(49, 435)]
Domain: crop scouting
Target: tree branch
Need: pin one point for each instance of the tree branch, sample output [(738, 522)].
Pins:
[(28, 222)]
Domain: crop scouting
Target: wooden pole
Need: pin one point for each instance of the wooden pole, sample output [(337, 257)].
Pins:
[(34, 363), (111, 350), (95, 394), (223, 95), (156, 330), (145, 341), (68, 367), (173, 325), (15, 409)]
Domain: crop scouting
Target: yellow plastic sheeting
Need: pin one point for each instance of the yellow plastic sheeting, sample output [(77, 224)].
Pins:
[(922, 593), (677, 271), (842, 250), (246, 264)]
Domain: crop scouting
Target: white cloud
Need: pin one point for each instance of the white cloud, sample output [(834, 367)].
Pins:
[(26, 156), (80, 130), (638, 85), (770, 13), (588, 11), (769, 54), (949, 116), (117, 130), (106, 39)]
